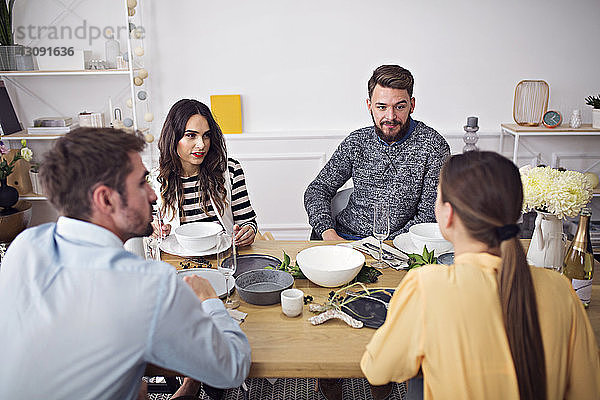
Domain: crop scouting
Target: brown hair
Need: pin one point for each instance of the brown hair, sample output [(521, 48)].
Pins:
[(486, 192), (211, 181), (391, 76), (83, 159)]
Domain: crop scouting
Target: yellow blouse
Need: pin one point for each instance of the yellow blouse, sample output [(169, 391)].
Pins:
[(448, 321)]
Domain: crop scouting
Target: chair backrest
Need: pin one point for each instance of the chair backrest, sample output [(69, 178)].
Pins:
[(264, 236), (340, 201)]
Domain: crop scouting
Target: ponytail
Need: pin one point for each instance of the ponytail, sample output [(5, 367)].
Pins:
[(519, 310)]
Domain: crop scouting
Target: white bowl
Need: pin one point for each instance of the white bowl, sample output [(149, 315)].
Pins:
[(428, 234), (198, 236), (330, 266)]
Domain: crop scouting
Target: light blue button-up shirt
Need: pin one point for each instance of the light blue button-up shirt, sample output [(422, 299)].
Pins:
[(80, 317)]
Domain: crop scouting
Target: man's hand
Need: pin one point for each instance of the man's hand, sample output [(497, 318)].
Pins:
[(244, 236), (166, 229), (331, 234), (201, 287)]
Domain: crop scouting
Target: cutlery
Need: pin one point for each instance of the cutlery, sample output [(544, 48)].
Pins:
[(387, 255), (356, 295)]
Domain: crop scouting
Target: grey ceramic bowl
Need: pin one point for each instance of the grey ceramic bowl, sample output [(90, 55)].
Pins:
[(263, 286)]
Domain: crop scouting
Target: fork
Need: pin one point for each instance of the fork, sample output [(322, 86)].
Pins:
[(352, 294), (387, 255)]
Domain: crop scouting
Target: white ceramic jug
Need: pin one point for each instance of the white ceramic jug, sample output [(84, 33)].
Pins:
[(545, 223)]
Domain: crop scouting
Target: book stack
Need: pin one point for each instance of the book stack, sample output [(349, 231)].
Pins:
[(51, 126)]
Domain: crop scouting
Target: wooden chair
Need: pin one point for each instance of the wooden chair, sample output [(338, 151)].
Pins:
[(264, 236)]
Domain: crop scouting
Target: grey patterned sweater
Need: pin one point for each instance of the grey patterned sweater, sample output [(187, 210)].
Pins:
[(404, 174)]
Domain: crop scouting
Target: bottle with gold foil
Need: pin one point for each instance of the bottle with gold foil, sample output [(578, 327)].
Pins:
[(579, 260)]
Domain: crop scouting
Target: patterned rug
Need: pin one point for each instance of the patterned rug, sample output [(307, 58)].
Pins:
[(299, 389)]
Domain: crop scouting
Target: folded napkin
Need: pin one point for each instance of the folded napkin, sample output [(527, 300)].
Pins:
[(239, 316), (400, 262)]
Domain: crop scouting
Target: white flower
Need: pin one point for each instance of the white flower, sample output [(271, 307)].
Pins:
[(26, 153), (563, 193)]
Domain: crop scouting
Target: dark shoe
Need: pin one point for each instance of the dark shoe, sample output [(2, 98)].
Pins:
[(331, 389), (381, 392)]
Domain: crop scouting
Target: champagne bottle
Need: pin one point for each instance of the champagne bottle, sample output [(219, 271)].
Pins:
[(579, 260)]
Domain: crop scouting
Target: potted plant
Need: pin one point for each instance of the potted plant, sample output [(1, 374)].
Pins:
[(12, 56), (8, 194), (594, 101), (8, 50)]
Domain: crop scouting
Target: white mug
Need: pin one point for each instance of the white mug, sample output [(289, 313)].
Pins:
[(292, 301)]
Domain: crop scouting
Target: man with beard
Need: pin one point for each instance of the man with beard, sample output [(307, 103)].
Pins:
[(79, 314), (397, 161)]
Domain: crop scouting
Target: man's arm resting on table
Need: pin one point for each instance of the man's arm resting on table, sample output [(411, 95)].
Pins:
[(198, 339)]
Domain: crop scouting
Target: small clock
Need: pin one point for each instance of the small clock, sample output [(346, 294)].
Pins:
[(552, 119)]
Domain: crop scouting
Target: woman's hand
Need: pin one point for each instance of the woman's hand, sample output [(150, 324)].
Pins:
[(244, 236), (166, 229)]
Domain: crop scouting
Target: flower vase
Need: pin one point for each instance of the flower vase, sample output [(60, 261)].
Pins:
[(546, 226), (8, 195)]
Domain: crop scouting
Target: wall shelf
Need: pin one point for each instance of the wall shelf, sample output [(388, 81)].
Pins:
[(32, 196), (24, 135), (66, 73)]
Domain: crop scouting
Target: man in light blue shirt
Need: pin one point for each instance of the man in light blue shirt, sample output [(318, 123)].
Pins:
[(80, 317)]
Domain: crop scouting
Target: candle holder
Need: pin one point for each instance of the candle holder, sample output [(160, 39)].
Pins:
[(470, 137)]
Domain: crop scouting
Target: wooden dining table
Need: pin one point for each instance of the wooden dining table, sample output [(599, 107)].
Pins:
[(293, 347)]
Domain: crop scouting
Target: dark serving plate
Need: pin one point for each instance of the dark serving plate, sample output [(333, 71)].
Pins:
[(371, 312), (446, 259), (249, 262), (263, 286)]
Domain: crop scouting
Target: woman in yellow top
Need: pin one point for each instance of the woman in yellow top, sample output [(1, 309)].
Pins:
[(489, 326)]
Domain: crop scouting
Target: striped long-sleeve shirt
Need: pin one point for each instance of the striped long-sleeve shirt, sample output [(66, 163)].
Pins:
[(404, 175), (243, 214)]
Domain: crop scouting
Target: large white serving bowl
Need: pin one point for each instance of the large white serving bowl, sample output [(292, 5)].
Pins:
[(198, 236), (428, 234), (330, 266)]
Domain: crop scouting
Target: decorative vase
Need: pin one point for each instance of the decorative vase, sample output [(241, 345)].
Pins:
[(575, 121), (8, 195), (596, 118), (36, 186), (546, 226), (8, 57)]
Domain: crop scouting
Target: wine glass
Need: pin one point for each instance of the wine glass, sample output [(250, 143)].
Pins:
[(381, 230), (227, 264)]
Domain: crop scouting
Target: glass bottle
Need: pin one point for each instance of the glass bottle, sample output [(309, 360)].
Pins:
[(579, 261), (112, 51)]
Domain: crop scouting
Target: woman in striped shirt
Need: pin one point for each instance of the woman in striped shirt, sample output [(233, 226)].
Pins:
[(197, 180)]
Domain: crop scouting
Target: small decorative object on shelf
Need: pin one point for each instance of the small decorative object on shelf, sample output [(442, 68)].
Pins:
[(575, 121), (111, 50), (552, 119), (594, 101), (531, 102), (579, 261), (470, 138), (34, 176), (553, 194)]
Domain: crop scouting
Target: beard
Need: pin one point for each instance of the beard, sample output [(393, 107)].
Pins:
[(392, 137)]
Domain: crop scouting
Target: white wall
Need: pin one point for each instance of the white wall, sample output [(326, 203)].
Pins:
[(302, 68)]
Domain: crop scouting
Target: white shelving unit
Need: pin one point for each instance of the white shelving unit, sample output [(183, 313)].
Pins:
[(517, 131), (13, 77)]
